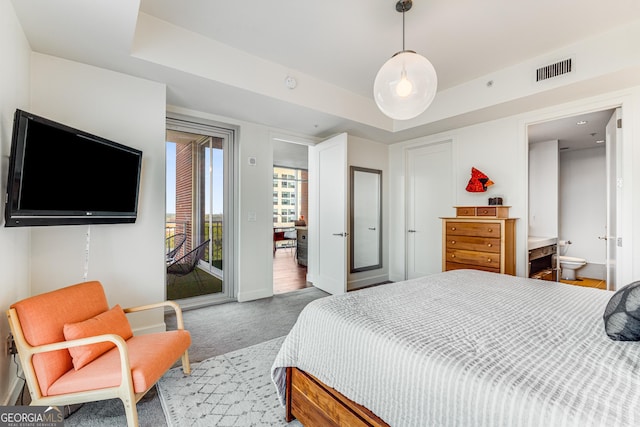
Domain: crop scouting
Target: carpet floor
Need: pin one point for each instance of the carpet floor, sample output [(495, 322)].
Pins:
[(215, 330), (231, 390)]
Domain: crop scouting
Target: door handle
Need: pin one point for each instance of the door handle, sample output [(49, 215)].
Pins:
[(411, 231), (341, 234), (372, 228), (602, 237)]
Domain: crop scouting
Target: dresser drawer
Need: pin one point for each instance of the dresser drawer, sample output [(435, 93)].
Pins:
[(491, 211), (486, 211), (482, 244), (487, 259), (479, 229), (466, 211), (458, 266)]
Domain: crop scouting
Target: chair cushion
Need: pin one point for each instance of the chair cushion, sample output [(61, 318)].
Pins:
[(113, 321), (622, 314), (43, 316), (150, 356)]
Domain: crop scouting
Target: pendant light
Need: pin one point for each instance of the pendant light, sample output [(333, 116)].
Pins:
[(406, 84)]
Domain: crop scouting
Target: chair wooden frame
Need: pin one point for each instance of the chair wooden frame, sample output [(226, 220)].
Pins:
[(124, 391)]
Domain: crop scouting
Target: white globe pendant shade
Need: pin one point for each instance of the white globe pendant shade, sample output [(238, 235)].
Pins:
[(405, 85)]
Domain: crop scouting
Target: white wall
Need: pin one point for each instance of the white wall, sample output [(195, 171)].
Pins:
[(369, 154), (499, 148), (127, 258), (254, 190), (14, 256), (583, 207), (490, 147), (543, 189), (255, 239)]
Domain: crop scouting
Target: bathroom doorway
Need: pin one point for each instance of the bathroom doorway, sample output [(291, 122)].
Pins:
[(574, 194)]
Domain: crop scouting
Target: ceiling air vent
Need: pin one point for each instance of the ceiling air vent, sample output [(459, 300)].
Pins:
[(554, 70)]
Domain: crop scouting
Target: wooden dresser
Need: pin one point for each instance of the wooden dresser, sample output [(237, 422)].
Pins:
[(479, 238)]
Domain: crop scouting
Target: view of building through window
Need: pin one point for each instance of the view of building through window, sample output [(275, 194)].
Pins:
[(289, 196)]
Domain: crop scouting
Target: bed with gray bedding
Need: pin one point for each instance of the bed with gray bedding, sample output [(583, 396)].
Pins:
[(469, 348)]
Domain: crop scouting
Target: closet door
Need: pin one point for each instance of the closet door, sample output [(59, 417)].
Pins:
[(429, 187)]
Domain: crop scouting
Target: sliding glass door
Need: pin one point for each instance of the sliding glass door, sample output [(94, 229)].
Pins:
[(199, 204)]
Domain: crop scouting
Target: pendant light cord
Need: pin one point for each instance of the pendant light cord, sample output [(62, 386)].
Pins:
[(403, 28)]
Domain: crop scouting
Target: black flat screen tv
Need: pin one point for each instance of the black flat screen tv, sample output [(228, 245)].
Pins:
[(59, 175)]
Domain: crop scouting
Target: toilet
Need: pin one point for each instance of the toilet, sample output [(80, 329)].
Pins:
[(569, 265)]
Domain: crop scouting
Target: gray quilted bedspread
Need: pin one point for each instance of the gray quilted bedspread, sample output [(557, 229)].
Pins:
[(470, 348)]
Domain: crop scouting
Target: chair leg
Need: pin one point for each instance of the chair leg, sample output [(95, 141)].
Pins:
[(186, 365), (131, 412)]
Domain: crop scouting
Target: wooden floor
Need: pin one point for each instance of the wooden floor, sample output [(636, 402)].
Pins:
[(288, 275), (585, 281)]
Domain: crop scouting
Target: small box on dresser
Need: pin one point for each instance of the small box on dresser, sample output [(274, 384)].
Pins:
[(479, 238)]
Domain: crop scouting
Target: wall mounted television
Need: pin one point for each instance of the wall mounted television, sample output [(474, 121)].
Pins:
[(59, 175)]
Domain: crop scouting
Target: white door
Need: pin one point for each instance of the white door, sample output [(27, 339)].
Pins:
[(328, 205), (613, 141), (429, 196)]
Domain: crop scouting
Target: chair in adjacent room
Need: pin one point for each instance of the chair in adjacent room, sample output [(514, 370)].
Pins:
[(278, 236), (187, 264), (284, 235)]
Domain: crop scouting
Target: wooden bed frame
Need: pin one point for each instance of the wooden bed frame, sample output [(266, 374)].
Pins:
[(315, 404)]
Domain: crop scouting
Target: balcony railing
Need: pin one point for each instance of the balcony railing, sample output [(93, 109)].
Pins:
[(213, 229)]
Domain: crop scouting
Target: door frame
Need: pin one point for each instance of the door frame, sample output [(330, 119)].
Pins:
[(292, 139), (230, 231), (624, 267)]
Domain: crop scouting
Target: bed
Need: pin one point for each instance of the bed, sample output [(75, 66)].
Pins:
[(459, 348)]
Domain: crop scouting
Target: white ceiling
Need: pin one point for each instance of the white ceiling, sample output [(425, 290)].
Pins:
[(574, 132), (341, 43)]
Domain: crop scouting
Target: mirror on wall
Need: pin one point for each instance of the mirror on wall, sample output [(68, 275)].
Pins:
[(366, 219)]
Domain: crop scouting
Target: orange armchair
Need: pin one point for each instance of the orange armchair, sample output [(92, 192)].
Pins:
[(73, 348)]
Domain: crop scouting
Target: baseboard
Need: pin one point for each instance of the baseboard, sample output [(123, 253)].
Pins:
[(150, 329), (14, 392), (253, 295), (396, 278), (368, 281), (593, 271)]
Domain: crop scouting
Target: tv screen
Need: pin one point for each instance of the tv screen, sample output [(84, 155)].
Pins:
[(59, 175)]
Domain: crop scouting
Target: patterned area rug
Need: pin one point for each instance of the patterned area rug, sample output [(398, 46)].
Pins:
[(234, 389)]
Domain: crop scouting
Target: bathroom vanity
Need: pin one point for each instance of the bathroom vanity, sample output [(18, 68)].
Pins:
[(543, 258)]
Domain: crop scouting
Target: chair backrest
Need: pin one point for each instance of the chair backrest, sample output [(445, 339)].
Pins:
[(42, 318), (174, 243), (187, 263)]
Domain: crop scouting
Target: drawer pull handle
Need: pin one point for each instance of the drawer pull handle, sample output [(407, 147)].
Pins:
[(490, 230), (485, 211), (453, 256), (453, 242), (489, 244), (453, 228), (488, 259)]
